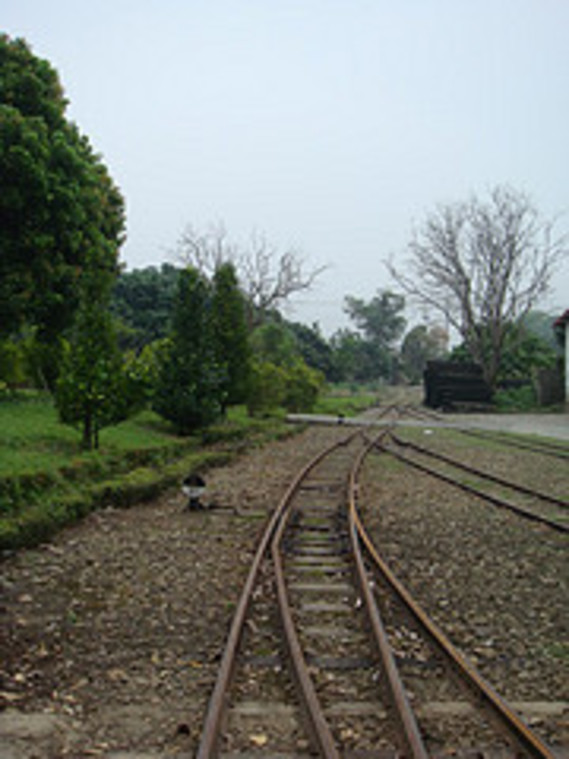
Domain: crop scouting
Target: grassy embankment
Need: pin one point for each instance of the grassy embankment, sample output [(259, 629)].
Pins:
[(47, 482)]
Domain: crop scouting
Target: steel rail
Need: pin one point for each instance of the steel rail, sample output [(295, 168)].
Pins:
[(544, 448), (485, 475), (518, 510), (411, 732), (319, 728), (527, 739), (210, 733)]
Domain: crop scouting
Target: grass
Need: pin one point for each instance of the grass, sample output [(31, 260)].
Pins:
[(348, 405), (47, 481)]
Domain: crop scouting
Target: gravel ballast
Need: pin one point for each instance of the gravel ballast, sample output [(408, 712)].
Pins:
[(114, 630)]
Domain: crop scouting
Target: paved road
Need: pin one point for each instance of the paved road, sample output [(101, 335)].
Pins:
[(545, 425)]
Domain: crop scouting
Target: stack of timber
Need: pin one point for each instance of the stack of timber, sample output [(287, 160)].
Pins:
[(452, 386)]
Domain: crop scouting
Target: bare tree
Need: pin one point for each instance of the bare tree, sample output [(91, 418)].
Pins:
[(484, 266), (267, 276)]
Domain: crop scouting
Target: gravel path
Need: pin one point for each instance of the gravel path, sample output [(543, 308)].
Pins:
[(113, 632)]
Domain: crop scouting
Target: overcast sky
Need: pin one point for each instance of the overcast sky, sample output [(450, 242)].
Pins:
[(330, 125)]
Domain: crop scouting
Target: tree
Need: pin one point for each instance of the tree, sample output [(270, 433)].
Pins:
[(422, 344), (381, 323), (188, 391), (231, 335), (355, 358), (91, 388), (523, 351), (381, 319), (267, 276), (314, 348), (143, 300), (483, 265), (59, 210), (274, 342)]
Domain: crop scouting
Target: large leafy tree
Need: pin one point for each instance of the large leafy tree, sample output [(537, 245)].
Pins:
[(59, 209), (484, 265), (189, 386), (380, 323)]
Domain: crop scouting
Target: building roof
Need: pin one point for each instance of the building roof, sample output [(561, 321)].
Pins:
[(563, 319)]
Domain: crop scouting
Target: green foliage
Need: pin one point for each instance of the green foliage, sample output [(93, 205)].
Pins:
[(267, 387), (381, 319), (142, 301), (46, 484), (522, 352), (302, 386), (12, 364), (357, 359), (516, 399), (295, 387), (314, 348), (369, 354), (188, 391), (59, 210), (338, 402), (274, 342), (93, 391), (231, 335)]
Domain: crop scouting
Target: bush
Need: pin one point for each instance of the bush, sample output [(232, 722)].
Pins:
[(302, 386), (516, 399)]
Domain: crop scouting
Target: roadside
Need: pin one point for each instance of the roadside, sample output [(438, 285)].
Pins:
[(544, 425)]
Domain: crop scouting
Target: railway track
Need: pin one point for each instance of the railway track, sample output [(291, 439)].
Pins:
[(543, 447), (329, 655), (397, 412), (526, 502)]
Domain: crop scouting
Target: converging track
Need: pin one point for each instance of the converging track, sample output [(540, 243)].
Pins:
[(328, 654)]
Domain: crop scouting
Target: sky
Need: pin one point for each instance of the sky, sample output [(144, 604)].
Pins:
[(330, 126)]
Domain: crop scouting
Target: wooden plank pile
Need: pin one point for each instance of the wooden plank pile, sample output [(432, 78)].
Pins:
[(450, 385)]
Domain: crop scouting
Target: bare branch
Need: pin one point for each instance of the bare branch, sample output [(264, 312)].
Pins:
[(267, 277), (484, 266)]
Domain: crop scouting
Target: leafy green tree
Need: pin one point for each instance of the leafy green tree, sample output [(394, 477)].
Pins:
[(302, 386), (380, 320), (231, 334), (273, 341), (59, 210), (281, 377), (314, 348), (356, 359), (267, 387), (189, 386), (91, 390), (381, 323), (142, 301)]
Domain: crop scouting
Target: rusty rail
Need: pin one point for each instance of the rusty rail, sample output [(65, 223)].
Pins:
[(485, 475), (518, 510), (525, 737), (212, 725)]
